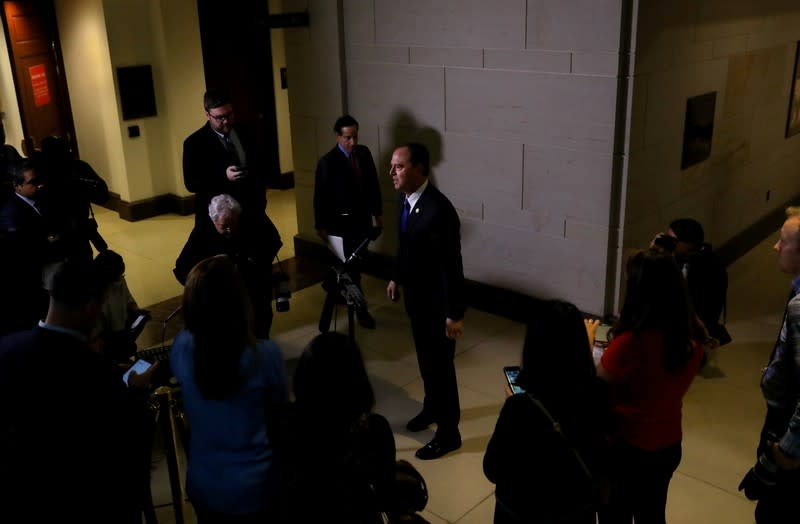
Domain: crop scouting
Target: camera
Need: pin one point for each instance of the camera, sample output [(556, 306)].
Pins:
[(665, 242), (282, 292)]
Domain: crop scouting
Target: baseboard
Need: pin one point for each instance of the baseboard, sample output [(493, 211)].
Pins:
[(283, 182), (169, 203), (150, 207), (498, 301), (754, 234)]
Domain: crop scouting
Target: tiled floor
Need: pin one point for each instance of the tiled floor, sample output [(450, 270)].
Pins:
[(722, 414)]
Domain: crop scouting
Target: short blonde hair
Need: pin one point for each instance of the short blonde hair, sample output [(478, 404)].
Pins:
[(793, 212)]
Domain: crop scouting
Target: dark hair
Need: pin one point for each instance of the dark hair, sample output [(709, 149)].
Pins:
[(75, 284), (688, 230), (54, 145), (34, 163), (344, 121), (557, 361), (215, 98), (217, 314), (331, 382), (109, 265), (656, 299), (418, 155)]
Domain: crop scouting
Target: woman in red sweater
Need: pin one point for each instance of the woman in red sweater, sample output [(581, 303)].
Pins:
[(651, 361)]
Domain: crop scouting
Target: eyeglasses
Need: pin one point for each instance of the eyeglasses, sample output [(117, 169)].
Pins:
[(222, 118)]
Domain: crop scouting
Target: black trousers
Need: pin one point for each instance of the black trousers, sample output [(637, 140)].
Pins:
[(435, 354), (639, 484)]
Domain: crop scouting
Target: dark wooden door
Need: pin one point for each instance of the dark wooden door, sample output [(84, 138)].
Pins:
[(237, 57), (38, 72)]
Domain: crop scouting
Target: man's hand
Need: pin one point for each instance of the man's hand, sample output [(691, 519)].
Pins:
[(393, 291), (142, 381), (454, 328), (323, 234), (235, 173), (784, 461)]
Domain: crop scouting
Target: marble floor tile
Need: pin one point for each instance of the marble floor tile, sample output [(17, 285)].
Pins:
[(722, 412)]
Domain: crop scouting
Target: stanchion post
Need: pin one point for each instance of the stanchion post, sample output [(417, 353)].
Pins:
[(166, 419)]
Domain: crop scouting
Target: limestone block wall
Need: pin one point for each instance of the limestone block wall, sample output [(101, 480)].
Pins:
[(516, 100), (745, 51)]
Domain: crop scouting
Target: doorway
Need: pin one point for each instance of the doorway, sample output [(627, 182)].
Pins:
[(237, 48), (237, 58), (38, 68)]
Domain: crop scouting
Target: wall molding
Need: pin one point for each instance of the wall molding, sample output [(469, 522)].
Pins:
[(150, 207), (754, 234), (169, 203), (517, 306), (498, 301)]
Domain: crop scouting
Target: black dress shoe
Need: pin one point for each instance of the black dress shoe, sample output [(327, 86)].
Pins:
[(365, 320), (420, 422), (438, 447)]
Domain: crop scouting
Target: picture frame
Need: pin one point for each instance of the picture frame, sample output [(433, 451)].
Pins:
[(698, 128), (136, 92), (793, 118)]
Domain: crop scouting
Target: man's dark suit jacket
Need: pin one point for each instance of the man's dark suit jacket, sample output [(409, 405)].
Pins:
[(344, 203), (428, 263), (205, 161), (18, 216), (25, 248), (253, 249), (66, 415)]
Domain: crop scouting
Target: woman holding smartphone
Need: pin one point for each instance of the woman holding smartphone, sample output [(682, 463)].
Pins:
[(653, 356), (347, 476), (234, 389), (541, 473)]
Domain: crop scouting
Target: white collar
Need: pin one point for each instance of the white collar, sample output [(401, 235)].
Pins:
[(414, 197)]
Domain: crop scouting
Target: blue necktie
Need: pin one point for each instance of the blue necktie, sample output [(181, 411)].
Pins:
[(404, 216)]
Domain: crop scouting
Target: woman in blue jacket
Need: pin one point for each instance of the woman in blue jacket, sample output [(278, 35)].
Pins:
[(234, 389)]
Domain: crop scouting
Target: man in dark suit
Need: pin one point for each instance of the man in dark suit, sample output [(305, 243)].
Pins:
[(221, 157), (347, 197), (66, 414), (429, 268), (9, 160), (252, 246), (26, 247), (72, 187)]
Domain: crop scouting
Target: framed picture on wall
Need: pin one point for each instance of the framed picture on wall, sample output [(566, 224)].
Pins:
[(136, 91), (698, 128), (793, 121)]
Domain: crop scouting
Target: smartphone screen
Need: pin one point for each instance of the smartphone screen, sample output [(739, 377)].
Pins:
[(140, 366), (512, 374)]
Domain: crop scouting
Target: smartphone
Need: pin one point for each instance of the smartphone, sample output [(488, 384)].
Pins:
[(140, 366), (512, 374)]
